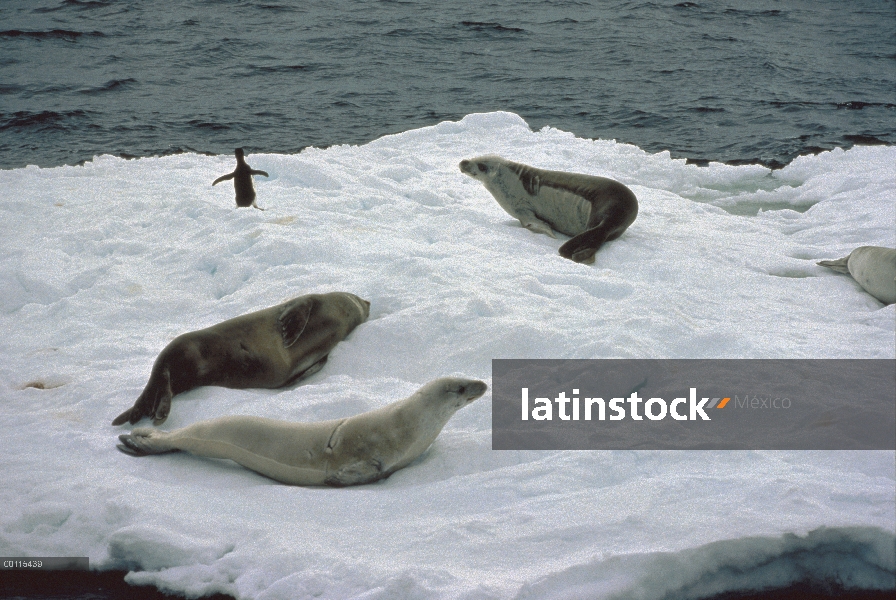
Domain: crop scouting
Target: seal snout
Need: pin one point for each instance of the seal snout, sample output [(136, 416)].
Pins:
[(465, 167), (474, 389), (481, 167), (363, 304)]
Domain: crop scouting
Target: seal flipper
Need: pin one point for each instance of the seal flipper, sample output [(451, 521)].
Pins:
[(356, 473), (582, 247), (309, 371), (142, 442), (155, 401), (531, 222), (839, 265), (123, 417), (162, 401), (294, 318)]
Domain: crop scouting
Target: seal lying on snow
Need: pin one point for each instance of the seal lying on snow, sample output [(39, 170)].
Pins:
[(242, 181), (269, 348), (591, 209), (873, 267), (359, 449)]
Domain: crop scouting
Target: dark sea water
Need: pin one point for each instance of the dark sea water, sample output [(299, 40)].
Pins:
[(735, 81)]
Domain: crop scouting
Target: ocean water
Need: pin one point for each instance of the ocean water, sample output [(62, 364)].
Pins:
[(729, 81)]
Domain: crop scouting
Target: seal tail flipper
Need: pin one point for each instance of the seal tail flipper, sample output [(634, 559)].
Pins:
[(838, 265), (143, 442), (148, 401), (155, 401), (582, 247), (123, 417), (163, 396)]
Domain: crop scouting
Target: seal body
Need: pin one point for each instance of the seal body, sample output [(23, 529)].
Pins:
[(359, 449), (242, 181), (873, 268), (269, 348), (591, 209)]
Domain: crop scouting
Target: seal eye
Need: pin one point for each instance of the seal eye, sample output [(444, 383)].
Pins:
[(482, 168)]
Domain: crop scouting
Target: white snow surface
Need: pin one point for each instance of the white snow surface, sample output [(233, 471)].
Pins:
[(101, 265)]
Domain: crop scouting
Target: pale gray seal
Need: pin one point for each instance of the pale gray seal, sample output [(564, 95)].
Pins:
[(873, 268), (269, 348), (591, 209), (242, 181), (359, 449)]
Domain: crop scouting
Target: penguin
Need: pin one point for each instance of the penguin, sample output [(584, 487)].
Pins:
[(242, 181)]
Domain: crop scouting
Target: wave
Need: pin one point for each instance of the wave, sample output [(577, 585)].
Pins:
[(77, 4), (40, 120), (483, 26), (110, 86), (55, 34)]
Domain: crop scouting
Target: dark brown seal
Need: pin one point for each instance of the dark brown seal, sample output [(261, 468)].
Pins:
[(269, 348)]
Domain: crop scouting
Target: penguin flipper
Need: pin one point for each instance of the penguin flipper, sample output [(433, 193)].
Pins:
[(223, 178)]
